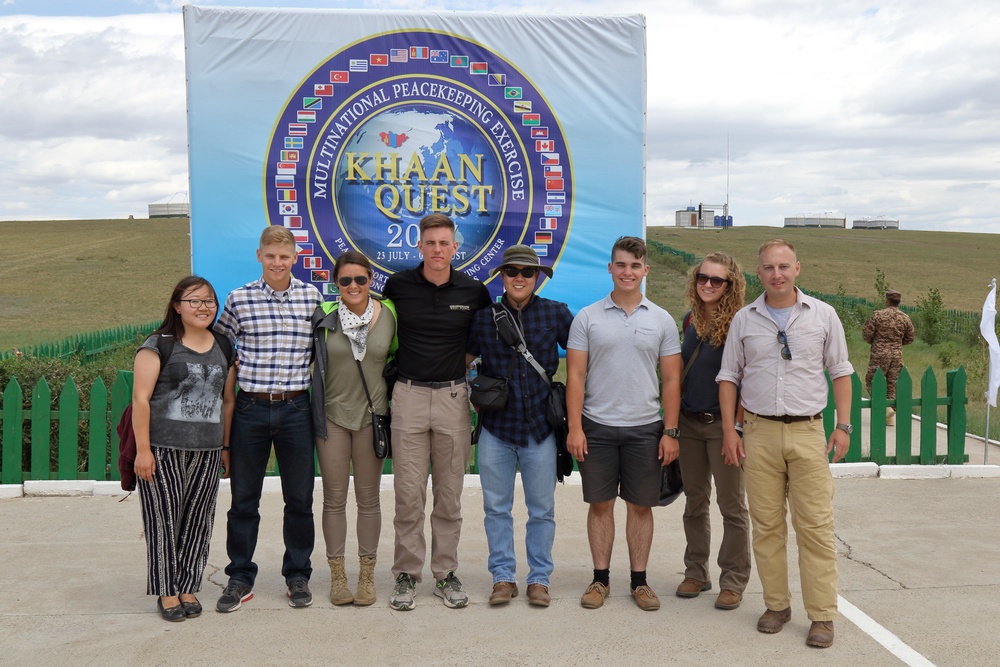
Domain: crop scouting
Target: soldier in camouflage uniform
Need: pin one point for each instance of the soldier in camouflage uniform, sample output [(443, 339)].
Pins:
[(887, 331)]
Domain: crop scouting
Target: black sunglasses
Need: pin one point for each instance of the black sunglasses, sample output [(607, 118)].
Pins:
[(786, 353), (347, 280), (715, 280), (513, 271)]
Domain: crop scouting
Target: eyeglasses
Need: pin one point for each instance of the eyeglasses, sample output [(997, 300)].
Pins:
[(716, 281), (786, 353), (198, 303), (347, 280), (513, 271)]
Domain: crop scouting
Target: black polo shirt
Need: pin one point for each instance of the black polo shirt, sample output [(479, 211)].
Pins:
[(434, 322)]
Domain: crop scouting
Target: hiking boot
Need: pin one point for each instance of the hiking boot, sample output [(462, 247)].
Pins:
[(450, 591), (594, 596), (403, 594), (728, 599), (340, 592), (366, 583), (772, 621), (234, 595), (538, 595), (645, 598), (820, 634), (502, 593), (692, 588), (299, 594)]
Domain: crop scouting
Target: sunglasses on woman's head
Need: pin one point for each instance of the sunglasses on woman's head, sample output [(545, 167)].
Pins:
[(346, 281), (716, 281)]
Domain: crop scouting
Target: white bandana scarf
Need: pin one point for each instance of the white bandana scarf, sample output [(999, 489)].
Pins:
[(355, 327)]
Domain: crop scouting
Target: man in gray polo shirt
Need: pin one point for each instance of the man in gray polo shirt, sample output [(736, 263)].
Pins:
[(613, 399)]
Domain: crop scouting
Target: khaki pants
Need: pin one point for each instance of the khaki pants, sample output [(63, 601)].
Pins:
[(701, 462), (429, 426), (789, 461)]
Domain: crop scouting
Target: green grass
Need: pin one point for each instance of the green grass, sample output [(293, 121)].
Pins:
[(66, 277)]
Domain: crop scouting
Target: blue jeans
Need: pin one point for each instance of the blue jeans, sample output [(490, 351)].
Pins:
[(498, 464), (256, 424)]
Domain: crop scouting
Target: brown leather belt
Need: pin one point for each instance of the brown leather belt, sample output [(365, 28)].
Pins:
[(703, 417), (788, 419), (274, 398)]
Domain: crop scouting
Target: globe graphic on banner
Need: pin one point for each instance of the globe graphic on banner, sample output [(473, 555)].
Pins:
[(415, 146)]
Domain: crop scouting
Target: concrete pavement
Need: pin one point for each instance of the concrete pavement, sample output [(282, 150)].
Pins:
[(918, 571)]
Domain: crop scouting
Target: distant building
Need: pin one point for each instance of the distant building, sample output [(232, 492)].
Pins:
[(172, 206), (816, 221), (699, 216), (875, 223)]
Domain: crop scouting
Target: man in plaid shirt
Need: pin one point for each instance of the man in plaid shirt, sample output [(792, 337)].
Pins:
[(268, 320), (519, 436)]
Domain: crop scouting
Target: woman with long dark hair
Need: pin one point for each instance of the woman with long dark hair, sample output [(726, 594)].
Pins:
[(182, 405), (353, 340), (715, 292)]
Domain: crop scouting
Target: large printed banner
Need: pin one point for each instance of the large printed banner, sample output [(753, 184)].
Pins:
[(348, 127)]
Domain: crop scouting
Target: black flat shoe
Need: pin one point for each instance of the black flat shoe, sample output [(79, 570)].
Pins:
[(191, 609), (172, 614)]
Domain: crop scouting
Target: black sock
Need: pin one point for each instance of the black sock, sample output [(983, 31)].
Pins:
[(638, 579), (603, 577)]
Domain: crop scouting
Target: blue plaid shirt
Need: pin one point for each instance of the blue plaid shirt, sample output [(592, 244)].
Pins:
[(545, 325), (272, 332)]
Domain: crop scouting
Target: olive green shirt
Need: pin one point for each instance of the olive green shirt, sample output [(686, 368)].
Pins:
[(346, 404)]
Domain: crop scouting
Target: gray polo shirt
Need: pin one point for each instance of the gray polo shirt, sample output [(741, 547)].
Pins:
[(623, 355)]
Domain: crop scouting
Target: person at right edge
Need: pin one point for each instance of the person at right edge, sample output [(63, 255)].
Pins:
[(776, 352), (887, 331), (715, 293)]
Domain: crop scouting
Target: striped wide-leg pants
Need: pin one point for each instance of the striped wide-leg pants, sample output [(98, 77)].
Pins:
[(178, 511)]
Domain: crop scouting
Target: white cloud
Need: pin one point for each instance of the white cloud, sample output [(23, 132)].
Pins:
[(853, 107)]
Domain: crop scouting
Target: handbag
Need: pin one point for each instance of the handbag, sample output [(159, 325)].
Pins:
[(672, 484), (381, 424), (488, 392), (555, 412)]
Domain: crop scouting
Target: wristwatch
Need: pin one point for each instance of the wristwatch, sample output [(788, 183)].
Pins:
[(846, 428), (672, 432)]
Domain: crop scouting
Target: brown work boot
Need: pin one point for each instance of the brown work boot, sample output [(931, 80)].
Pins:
[(366, 583), (594, 596), (340, 593), (728, 599), (502, 593), (538, 595), (820, 634), (645, 598), (772, 621), (692, 588)]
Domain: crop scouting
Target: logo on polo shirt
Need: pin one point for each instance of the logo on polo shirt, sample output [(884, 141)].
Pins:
[(459, 307), (399, 125)]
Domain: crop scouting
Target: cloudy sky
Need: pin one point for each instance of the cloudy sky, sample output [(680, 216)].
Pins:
[(850, 109)]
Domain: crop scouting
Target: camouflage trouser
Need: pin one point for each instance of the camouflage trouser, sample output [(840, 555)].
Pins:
[(891, 366)]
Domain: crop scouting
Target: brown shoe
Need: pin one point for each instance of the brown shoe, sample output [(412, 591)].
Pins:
[(593, 597), (820, 634), (502, 593), (538, 595), (646, 598), (692, 588), (728, 599), (772, 621)]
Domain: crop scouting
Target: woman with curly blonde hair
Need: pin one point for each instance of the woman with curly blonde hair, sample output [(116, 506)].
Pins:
[(715, 293)]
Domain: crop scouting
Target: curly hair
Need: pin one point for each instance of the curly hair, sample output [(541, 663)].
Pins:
[(716, 329)]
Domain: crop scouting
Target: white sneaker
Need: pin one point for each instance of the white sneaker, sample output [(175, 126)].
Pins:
[(404, 593), (450, 591)]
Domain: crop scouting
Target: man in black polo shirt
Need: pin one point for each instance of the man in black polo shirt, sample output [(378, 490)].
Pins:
[(430, 411)]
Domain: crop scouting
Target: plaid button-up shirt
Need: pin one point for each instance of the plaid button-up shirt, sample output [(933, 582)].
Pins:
[(545, 325), (272, 334)]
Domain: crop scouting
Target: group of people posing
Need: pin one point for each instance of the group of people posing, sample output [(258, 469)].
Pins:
[(737, 397)]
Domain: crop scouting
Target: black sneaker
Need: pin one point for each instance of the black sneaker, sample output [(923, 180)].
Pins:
[(299, 594), (236, 594)]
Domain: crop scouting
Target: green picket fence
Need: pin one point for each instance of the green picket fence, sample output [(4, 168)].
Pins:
[(89, 344), (69, 443)]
